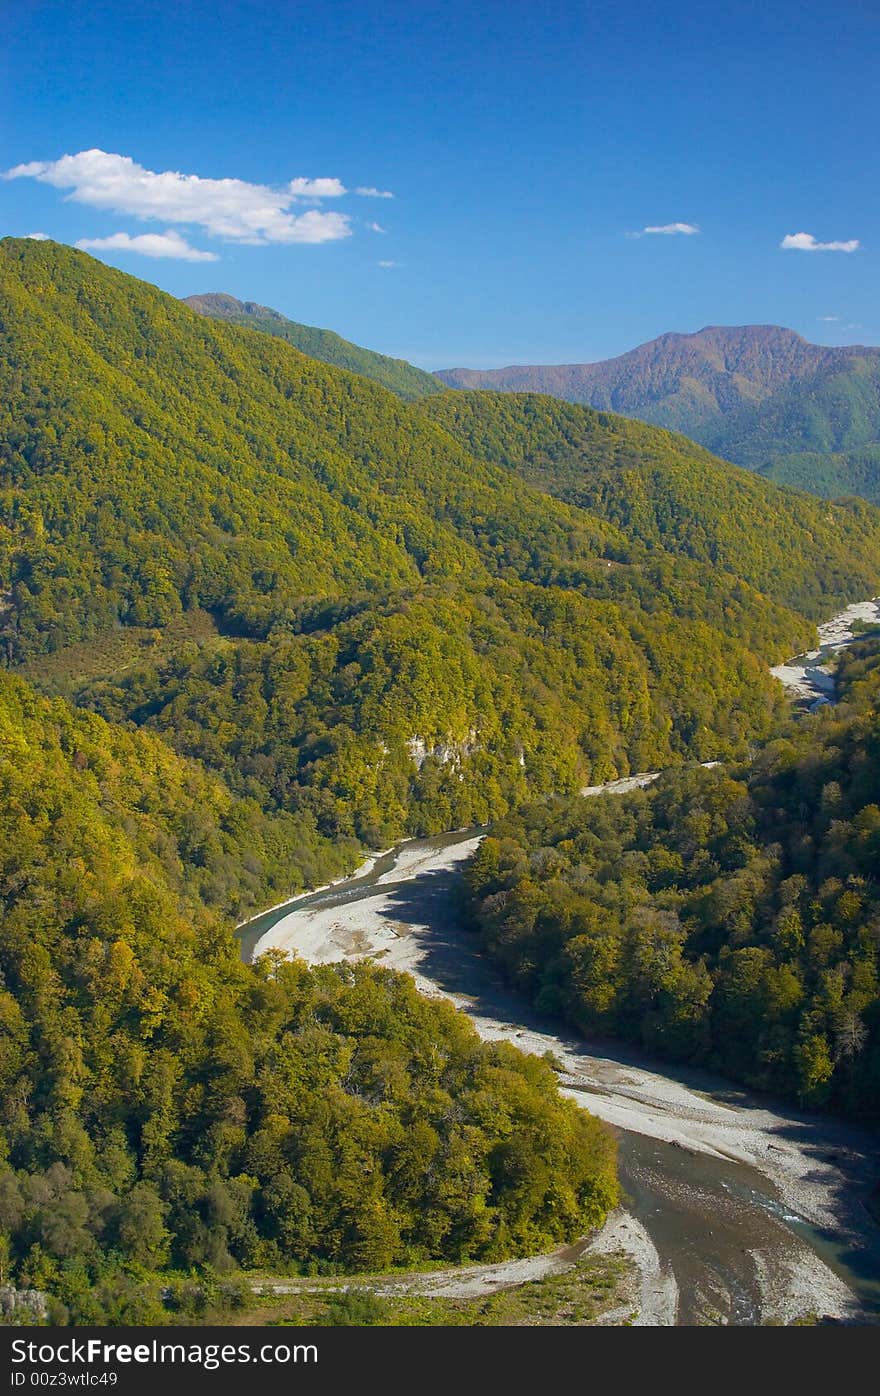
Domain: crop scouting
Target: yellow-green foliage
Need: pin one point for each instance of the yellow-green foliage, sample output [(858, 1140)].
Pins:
[(153, 460), (364, 626), (163, 1104), (396, 374), (798, 413), (382, 591), (730, 917), (511, 690), (668, 494)]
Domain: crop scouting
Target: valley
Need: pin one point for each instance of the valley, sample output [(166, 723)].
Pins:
[(439, 806), (809, 677), (740, 1207), (263, 618), (736, 1208)]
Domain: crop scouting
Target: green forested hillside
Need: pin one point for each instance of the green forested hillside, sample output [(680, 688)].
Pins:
[(163, 1106), (437, 711), (671, 495), (410, 634), (726, 916), (177, 823), (685, 382), (153, 460), (821, 433), (399, 376), (832, 475)]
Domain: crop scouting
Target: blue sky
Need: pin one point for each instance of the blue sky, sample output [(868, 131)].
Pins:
[(524, 145)]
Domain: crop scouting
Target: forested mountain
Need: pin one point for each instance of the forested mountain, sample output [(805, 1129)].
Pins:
[(728, 916), (661, 490), (800, 413), (307, 616), (406, 634), (820, 433), (684, 381), (401, 377)]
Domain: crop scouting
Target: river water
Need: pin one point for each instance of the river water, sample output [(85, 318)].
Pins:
[(755, 1212)]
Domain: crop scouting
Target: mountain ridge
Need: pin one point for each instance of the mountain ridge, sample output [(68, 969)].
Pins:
[(399, 376), (740, 349), (759, 395), (725, 337), (379, 581)]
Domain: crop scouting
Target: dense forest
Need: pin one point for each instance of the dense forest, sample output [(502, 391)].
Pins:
[(165, 1108), (404, 633), (437, 711), (729, 917), (821, 433), (685, 382), (154, 460), (668, 495)]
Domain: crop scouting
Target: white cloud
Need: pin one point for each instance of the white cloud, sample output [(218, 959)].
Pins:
[(688, 229), (805, 242), (228, 208), (838, 320), (387, 264), (376, 228), (169, 244), (38, 237), (667, 229), (317, 188), (672, 229), (366, 192)]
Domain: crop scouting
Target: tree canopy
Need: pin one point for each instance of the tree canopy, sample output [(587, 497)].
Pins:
[(728, 916), (165, 1107)]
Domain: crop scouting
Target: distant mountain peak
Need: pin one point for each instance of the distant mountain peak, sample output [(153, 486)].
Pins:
[(738, 339), (761, 395)]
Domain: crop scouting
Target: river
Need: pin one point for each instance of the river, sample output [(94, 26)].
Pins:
[(739, 1210), (809, 677)]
